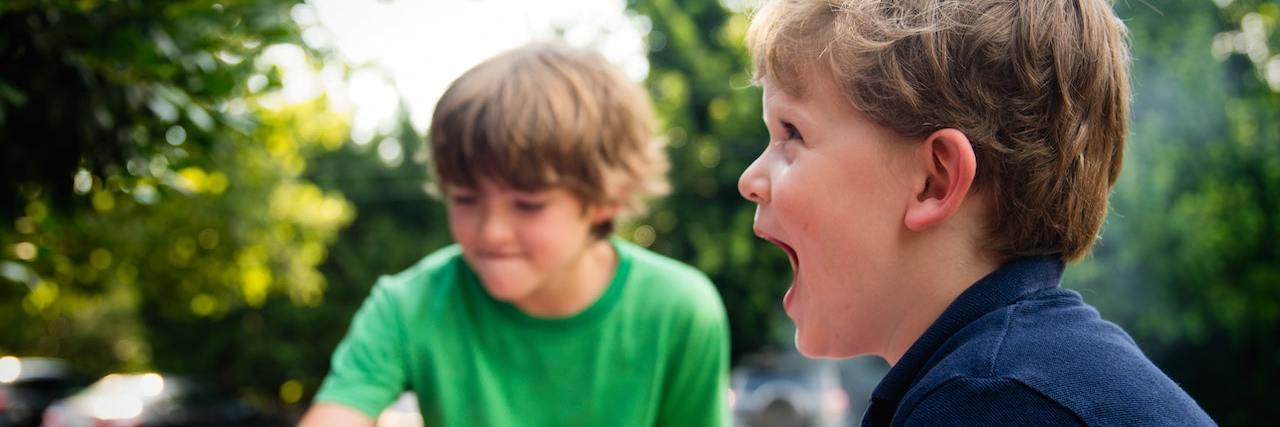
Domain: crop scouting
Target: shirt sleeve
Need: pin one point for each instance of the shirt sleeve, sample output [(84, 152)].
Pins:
[(697, 381), (988, 401), (367, 372)]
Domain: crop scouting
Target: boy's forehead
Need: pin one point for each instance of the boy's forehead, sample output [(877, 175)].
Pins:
[(777, 99), (499, 187), (491, 184), (798, 102)]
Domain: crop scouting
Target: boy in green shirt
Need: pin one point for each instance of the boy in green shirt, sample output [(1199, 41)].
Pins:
[(537, 316)]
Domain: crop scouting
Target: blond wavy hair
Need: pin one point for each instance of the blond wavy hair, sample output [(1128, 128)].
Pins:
[(1040, 87)]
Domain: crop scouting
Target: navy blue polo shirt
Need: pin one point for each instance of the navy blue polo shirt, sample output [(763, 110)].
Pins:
[(1016, 349)]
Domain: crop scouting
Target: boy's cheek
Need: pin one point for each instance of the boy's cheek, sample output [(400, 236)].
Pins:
[(459, 228)]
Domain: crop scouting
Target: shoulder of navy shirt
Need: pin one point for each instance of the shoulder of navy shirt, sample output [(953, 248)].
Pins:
[(1016, 349)]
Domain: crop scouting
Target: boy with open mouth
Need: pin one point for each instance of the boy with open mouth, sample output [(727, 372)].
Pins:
[(932, 166)]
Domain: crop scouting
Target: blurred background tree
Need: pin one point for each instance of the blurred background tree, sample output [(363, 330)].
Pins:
[(154, 215)]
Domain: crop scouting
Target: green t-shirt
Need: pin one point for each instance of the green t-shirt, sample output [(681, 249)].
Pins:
[(653, 350)]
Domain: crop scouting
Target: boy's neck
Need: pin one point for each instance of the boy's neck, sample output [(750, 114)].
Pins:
[(944, 270), (577, 287)]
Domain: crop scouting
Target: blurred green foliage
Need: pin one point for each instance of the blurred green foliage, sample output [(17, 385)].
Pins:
[(154, 215), (159, 211)]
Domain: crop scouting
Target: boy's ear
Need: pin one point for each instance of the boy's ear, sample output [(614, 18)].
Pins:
[(601, 213), (949, 167)]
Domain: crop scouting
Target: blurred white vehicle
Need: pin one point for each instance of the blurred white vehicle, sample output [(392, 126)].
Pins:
[(787, 390), (153, 400)]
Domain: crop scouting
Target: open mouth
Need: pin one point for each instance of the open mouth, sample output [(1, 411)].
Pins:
[(788, 300), (496, 254), (791, 253)]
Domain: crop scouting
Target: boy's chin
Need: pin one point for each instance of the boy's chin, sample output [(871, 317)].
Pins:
[(505, 291), (816, 347)]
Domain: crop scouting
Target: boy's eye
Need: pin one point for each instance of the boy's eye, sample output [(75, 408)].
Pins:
[(530, 206), (462, 199), (792, 132)]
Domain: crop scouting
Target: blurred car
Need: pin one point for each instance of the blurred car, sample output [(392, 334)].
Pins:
[(153, 400), (787, 390), (28, 385)]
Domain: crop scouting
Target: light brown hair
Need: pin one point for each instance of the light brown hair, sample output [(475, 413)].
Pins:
[(546, 115), (1040, 87)]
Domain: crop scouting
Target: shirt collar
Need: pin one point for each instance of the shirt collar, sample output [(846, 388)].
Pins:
[(1007, 284)]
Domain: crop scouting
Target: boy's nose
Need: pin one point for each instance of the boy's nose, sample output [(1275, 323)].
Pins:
[(495, 228), (754, 182)]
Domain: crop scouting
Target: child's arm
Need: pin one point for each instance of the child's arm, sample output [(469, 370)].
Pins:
[(334, 415), (367, 370)]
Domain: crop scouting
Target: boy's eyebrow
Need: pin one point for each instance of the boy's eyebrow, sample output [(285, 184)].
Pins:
[(793, 113), (771, 110)]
